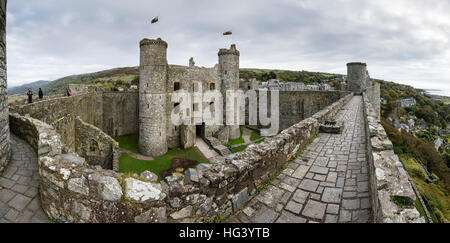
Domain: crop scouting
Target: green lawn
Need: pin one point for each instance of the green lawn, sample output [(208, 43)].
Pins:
[(161, 163), (254, 136), (238, 149), (130, 142)]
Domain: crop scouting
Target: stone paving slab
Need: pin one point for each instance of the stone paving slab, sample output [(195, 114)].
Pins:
[(327, 184), (19, 186)]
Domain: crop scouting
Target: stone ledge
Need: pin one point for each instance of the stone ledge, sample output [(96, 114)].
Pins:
[(389, 178)]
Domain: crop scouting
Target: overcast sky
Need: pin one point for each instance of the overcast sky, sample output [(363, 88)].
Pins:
[(406, 41)]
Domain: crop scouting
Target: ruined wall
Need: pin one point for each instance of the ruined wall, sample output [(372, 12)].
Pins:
[(4, 127), (95, 146), (73, 191), (299, 105), (388, 178), (116, 113), (191, 79), (65, 127), (88, 106), (120, 113)]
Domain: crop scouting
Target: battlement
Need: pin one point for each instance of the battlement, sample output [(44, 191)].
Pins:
[(158, 41), (231, 51), (356, 64)]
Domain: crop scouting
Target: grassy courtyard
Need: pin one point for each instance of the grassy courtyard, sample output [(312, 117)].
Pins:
[(128, 164)]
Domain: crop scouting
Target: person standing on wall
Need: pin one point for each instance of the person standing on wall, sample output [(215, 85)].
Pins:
[(41, 94), (30, 96)]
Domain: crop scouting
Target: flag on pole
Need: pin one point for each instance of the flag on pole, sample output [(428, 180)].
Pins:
[(155, 20), (228, 32)]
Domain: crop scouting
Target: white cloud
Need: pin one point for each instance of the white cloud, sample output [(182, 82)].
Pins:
[(403, 40)]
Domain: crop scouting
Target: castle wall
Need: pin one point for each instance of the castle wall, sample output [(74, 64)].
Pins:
[(95, 146), (204, 79), (120, 113), (4, 124), (388, 178), (73, 191), (65, 127), (299, 105), (88, 106)]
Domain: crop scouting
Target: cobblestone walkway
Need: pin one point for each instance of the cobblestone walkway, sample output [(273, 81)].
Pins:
[(327, 184), (19, 202)]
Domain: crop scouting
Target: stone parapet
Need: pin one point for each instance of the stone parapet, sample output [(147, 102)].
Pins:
[(388, 179)]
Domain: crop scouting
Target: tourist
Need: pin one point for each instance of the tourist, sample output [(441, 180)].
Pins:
[(30, 96), (68, 92), (41, 94)]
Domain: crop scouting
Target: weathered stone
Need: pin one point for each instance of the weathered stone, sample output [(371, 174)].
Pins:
[(300, 196), (105, 187), (73, 160), (143, 191), (78, 185), (314, 209), (332, 195), (154, 215), (191, 175), (240, 199), (149, 176), (183, 213), (175, 203), (82, 211)]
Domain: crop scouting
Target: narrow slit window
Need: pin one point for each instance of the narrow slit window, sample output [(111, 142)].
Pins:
[(176, 86)]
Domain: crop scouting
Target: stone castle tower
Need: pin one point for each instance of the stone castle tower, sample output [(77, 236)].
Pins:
[(229, 75), (357, 77), (157, 82), (152, 97)]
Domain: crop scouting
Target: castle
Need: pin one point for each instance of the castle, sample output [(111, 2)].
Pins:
[(158, 81), (76, 159)]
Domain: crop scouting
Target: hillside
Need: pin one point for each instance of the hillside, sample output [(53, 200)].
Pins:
[(124, 77), (21, 90), (421, 138)]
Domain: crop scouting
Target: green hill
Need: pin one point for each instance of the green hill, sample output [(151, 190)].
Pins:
[(123, 77), (428, 121)]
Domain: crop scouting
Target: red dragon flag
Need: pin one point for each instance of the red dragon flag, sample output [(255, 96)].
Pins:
[(155, 20), (228, 32)]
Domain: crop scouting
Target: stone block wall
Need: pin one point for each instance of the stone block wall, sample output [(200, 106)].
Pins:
[(65, 127), (87, 141), (88, 106), (95, 146), (388, 179), (120, 113), (5, 152), (74, 191), (299, 105)]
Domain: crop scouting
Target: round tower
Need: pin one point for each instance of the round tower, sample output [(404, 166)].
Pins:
[(152, 97), (229, 75), (356, 76)]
